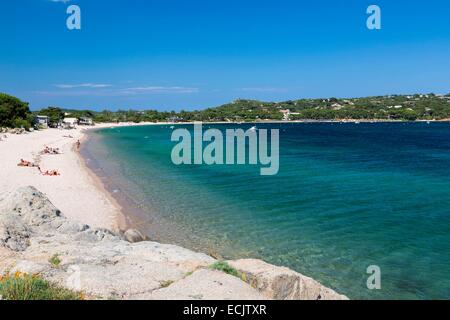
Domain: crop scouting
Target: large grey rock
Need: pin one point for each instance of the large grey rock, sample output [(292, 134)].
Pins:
[(281, 283), (14, 234), (92, 235), (28, 267), (207, 285), (115, 268), (31, 206), (21, 212), (70, 227)]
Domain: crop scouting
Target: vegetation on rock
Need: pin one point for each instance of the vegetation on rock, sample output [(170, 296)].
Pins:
[(20, 286), (226, 268)]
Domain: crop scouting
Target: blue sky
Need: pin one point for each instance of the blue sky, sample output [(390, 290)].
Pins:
[(180, 54)]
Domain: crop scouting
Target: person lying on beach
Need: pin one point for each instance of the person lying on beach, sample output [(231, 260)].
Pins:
[(24, 163), (51, 173), (69, 136)]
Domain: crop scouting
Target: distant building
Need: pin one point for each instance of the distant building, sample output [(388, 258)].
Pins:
[(70, 123), (174, 119), (42, 120), (85, 121)]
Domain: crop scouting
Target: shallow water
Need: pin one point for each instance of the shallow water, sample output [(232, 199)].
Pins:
[(347, 196)]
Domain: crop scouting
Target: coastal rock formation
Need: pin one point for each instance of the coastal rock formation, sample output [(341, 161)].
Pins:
[(101, 264), (281, 283), (207, 284)]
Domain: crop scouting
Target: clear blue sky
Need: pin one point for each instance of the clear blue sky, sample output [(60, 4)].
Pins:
[(175, 54)]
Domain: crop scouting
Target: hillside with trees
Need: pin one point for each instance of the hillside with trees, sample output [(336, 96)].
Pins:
[(15, 113), (393, 107)]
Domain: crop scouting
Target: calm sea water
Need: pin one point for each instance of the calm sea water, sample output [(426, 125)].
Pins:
[(347, 196)]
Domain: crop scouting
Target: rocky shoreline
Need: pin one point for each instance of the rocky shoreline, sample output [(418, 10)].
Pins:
[(106, 265)]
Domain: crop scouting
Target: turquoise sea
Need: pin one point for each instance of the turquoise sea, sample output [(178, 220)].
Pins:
[(347, 196)]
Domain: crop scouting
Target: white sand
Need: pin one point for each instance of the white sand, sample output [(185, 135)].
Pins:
[(76, 192)]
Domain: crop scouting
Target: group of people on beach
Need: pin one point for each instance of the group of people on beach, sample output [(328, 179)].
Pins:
[(47, 150), (29, 164)]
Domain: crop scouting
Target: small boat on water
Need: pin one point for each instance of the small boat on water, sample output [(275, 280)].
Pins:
[(253, 128)]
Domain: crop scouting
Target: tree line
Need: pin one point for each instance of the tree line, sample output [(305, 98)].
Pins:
[(16, 113)]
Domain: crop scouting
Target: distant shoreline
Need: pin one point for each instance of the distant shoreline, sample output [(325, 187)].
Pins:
[(130, 124)]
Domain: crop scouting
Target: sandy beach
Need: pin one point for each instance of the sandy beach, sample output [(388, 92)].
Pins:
[(77, 192)]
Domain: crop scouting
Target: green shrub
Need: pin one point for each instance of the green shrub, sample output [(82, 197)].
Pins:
[(14, 112), (30, 287), (21, 123)]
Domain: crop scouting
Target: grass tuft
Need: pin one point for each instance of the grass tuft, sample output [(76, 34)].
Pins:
[(55, 260), (166, 283), (225, 267), (21, 286)]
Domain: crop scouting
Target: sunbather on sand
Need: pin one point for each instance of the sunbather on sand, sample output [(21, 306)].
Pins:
[(51, 173), (24, 163)]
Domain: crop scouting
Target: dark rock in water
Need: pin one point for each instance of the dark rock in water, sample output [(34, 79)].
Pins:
[(133, 236)]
